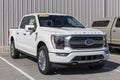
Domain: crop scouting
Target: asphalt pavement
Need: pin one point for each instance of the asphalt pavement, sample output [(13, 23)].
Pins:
[(25, 68)]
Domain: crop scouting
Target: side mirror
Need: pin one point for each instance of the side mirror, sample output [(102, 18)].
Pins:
[(29, 28)]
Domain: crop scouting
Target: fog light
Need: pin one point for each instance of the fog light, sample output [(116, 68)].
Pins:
[(62, 54)]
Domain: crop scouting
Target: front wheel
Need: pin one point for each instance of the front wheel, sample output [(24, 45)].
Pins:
[(44, 64), (13, 51)]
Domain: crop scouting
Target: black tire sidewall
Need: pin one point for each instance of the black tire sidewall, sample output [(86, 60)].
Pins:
[(16, 53)]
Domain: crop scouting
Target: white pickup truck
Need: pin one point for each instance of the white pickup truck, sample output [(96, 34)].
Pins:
[(111, 26), (58, 39)]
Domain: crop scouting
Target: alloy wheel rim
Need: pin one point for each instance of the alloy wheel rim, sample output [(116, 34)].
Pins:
[(42, 60)]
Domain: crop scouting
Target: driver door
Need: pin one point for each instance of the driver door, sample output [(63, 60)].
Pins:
[(30, 37)]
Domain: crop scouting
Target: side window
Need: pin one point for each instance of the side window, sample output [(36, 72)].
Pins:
[(24, 22), (118, 23), (100, 23), (30, 20)]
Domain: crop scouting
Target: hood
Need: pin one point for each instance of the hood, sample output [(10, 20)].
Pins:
[(73, 31)]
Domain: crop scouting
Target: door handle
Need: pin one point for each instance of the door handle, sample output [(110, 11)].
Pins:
[(24, 33), (114, 30)]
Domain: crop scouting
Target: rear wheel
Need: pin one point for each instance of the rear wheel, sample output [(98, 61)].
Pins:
[(13, 51), (44, 64)]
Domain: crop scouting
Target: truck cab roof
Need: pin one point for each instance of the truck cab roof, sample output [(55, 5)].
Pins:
[(45, 14)]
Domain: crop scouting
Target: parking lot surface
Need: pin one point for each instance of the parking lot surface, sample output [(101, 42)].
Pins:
[(25, 68)]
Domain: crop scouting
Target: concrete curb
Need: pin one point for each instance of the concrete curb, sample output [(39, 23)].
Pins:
[(4, 50)]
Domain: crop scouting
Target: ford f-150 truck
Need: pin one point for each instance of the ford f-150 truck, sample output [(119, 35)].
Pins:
[(111, 26), (58, 39)]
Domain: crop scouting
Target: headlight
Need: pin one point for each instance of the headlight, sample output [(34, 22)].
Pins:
[(58, 41), (105, 38)]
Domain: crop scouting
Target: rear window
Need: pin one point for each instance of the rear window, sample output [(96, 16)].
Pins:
[(100, 23)]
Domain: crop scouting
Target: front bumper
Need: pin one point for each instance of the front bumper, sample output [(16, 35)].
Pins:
[(69, 59)]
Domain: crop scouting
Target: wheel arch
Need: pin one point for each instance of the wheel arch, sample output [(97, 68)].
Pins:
[(11, 39), (40, 44)]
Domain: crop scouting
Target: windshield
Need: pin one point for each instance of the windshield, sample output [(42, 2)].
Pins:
[(59, 21)]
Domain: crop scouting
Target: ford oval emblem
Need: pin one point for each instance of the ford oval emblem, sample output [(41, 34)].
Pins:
[(89, 42)]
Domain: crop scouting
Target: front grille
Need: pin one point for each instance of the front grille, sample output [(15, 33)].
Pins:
[(85, 58), (79, 42)]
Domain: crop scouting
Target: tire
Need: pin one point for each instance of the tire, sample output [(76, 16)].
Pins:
[(97, 66), (13, 51), (44, 64)]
